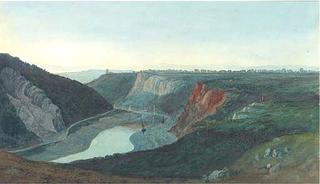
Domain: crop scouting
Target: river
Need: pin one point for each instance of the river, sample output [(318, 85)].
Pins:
[(107, 142)]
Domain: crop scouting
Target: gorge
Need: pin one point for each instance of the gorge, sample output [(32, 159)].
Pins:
[(194, 124)]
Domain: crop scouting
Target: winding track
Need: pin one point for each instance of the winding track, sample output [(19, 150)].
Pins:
[(84, 120), (66, 133)]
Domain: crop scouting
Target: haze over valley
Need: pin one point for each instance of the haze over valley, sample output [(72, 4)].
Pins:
[(164, 92)]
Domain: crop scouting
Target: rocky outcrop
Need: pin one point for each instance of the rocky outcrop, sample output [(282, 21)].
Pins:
[(154, 84), (216, 175), (75, 100), (202, 103), (150, 89), (34, 108)]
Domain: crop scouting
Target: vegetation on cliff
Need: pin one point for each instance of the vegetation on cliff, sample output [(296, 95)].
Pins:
[(75, 100), (259, 108), (12, 130), (113, 86)]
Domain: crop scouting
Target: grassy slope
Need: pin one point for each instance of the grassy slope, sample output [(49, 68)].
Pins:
[(17, 170), (113, 86), (299, 164), (291, 106), (75, 100)]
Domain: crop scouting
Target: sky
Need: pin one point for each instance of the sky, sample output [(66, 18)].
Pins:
[(72, 36)]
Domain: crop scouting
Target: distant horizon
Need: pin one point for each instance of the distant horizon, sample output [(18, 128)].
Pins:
[(165, 66), (76, 36), (268, 67)]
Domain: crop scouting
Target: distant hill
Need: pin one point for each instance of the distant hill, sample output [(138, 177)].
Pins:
[(113, 86), (83, 76), (36, 103), (87, 76)]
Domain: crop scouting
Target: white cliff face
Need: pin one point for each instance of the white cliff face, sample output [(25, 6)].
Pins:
[(34, 108), (150, 90), (154, 84)]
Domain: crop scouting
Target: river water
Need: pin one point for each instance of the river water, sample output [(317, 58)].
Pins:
[(107, 142)]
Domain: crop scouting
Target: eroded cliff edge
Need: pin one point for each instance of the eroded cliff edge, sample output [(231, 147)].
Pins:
[(165, 93), (36, 106), (202, 103), (39, 114)]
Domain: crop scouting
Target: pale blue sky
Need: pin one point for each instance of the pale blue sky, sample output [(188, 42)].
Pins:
[(138, 35)]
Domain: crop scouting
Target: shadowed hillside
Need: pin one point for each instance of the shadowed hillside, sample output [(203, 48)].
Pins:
[(113, 86), (14, 169), (37, 104), (75, 100)]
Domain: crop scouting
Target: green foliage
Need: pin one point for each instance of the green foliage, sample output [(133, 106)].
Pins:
[(113, 86), (290, 106), (75, 100)]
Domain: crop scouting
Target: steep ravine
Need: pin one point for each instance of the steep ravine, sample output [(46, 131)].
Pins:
[(158, 99), (202, 103)]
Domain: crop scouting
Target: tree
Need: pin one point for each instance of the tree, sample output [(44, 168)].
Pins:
[(301, 70)]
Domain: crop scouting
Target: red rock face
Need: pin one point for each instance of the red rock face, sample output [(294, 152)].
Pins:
[(202, 103)]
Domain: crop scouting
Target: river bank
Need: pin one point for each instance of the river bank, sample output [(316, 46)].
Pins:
[(107, 142), (79, 137)]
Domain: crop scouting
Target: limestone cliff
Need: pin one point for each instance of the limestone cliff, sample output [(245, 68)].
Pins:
[(34, 108), (75, 100), (202, 103), (151, 90), (154, 84)]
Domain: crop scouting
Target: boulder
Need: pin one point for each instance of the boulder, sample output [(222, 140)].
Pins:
[(274, 153), (267, 152), (218, 175), (269, 166)]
